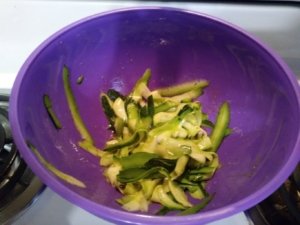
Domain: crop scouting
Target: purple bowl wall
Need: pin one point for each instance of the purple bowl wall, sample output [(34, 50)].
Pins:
[(112, 50)]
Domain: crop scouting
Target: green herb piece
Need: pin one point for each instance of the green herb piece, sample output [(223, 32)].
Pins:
[(163, 211), (64, 176), (50, 111), (222, 122), (136, 160), (113, 95), (136, 174), (182, 88), (196, 208), (134, 139), (109, 112), (87, 142)]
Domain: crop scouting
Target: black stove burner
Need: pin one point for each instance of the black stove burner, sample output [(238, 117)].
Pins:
[(7, 157), (11, 165), (282, 207), (18, 185), (2, 137), (8, 151), (4, 123), (9, 180), (5, 133)]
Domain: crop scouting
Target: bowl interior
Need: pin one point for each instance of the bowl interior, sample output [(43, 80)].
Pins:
[(112, 51)]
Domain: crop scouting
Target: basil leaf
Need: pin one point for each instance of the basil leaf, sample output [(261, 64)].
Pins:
[(113, 95), (136, 160), (134, 139), (108, 111), (168, 164), (136, 174)]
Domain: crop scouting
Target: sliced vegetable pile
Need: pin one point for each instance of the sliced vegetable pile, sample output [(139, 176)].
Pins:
[(164, 146)]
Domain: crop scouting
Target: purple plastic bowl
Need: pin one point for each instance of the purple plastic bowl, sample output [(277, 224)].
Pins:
[(112, 50)]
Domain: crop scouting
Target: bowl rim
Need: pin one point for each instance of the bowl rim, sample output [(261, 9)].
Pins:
[(127, 217)]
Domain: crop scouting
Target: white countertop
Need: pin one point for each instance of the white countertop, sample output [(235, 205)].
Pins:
[(25, 24)]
